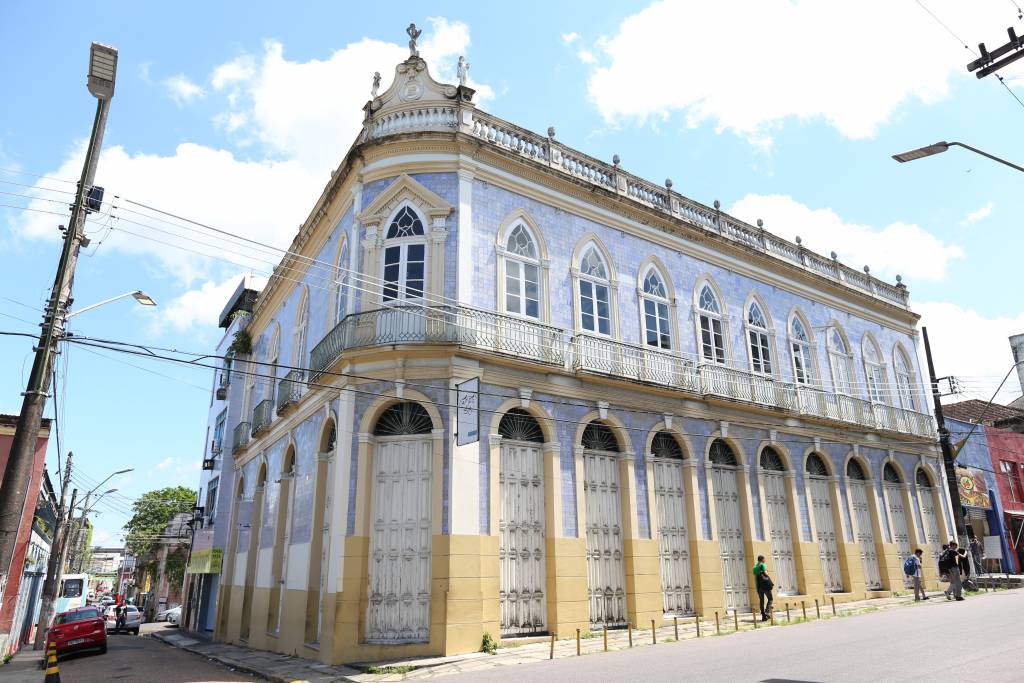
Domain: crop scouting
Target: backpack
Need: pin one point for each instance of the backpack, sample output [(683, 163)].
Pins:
[(910, 566), (946, 562)]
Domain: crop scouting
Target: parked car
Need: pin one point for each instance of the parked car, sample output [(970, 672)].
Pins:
[(132, 619), (174, 616), (162, 614), (78, 629)]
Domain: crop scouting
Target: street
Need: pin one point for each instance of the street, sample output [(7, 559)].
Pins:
[(143, 659), (979, 639)]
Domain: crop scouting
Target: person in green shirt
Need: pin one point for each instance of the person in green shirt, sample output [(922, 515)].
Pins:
[(764, 587)]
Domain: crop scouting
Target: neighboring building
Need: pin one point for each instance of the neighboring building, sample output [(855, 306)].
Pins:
[(161, 573), (10, 586), (1007, 451), (105, 560), (209, 537), (1017, 348), (26, 613), (657, 393), (995, 415)]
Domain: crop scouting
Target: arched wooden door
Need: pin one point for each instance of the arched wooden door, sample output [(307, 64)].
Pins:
[(857, 485), (821, 504), (521, 525), (776, 498), (928, 516), (398, 609), (673, 533), (730, 526), (606, 573), (893, 484)]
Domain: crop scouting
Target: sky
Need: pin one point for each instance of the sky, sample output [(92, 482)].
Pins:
[(233, 115)]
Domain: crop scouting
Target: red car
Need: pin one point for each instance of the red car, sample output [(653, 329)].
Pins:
[(81, 628)]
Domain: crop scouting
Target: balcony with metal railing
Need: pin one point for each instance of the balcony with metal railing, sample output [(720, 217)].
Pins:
[(262, 416), (289, 390), (240, 437)]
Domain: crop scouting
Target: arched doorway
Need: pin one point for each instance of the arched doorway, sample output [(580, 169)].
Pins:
[(252, 557), (521, 524), (282, 542), (729, 519), (227, 584), (857, 485), (606, 585), (319, 543), (893, 483), (925, 491), (824, 523), (673, 531), (776, 498), (398, 609)]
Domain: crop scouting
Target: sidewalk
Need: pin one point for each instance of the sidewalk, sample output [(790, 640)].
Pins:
[(26, 666), (278, 667)]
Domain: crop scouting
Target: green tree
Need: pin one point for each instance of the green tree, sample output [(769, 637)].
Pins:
[(153, 510)]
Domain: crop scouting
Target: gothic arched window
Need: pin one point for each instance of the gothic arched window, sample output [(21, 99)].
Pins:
[(654, 302), (523, 295), (594, 293), (905, 379), (404, 257), (341, 284), (711, 326), (758, 338), (839, 360), (874, 371)]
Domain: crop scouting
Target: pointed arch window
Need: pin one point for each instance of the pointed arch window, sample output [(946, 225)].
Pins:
[(654, 301), (758, 339), (712, 336), (839, 360), (800, 345), (523, 294), (905, 379), (273, 356), (300, 334), (341, 284), (874, 370), (405, 256), (594, 293)]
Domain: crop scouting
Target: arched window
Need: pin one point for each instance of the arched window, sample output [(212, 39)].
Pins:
[(905, 379), (890, 474), (839, 360), (598, 436), (301, 332), (712, 336), (654, 301), (519, 425), (815, 466), (874, 370), (665, 445), (523, 295), (273, 355), (341, 284), (757, 337), (771, 460), (405, 256), (800, 345), (594, 293), (922, 479), (721, 453), (403, 419), (855, 471)]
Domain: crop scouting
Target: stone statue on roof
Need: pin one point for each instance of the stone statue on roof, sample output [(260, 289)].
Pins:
[(376, 84), (414, 33), (463, 70)]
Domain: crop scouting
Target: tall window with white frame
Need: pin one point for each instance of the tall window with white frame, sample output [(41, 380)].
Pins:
[(712, 335), (301, 332), (523, 294), (594, 293), (874, 371), (405, 257), (273, 356), (905, 379), (654, 299), (800, 346), (839, 360), (758, 340), (341, 284)]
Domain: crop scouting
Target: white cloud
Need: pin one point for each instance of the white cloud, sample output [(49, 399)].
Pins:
[(898, 248), (586, 56), (981, 214), (238, 70), (745, 65), (165, 463), (182, 90), (178, 471), (972, 348), (569, 37), (199, 307)]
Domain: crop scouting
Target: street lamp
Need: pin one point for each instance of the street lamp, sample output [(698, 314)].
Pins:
[(940, 147), (138, 295)]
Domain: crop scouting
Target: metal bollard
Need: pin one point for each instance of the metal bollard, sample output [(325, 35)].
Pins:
[(772, 615), (629, 626), (552, 654), (606, 638), (577, 642), (654, 634), (718, 628), (833, 606), (675, 625), (736, 619), (817, 608), (696, 620), (787, 613), (803, 606), (753, 613)]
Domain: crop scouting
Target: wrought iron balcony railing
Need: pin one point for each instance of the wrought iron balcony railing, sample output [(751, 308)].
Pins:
[(262, 416), (240, 437), (289, 390)]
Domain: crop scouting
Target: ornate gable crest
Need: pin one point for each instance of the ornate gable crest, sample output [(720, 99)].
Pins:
[(406, 190)]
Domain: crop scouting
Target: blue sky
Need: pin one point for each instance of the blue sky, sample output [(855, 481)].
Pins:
[(233, 114)]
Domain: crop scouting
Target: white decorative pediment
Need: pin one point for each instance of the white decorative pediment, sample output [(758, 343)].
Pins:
[(405, 190), (414, 102)]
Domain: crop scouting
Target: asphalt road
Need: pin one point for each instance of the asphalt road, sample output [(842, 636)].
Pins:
[(142, 659), (980, 639)]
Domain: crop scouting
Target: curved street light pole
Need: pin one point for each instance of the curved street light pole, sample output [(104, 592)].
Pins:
[(940, 147)]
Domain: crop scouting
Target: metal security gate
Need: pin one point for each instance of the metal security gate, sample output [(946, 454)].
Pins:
[(865, 535), (606, 572), (900, 531), (777, 503), (828, 548), (521, 553), (730, 538), (399, 556), (673, 540)]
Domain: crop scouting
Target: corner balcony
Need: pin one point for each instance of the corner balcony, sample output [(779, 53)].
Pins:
[(262, 416), (289, 390), (240, 437)]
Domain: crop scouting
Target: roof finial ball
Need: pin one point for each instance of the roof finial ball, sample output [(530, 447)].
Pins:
[(799, 241), (414, 34), (760, 223), (551, 132), (616, 160), (867, 270), (899, 281), (668, 183), (835, 256), (718, 205)]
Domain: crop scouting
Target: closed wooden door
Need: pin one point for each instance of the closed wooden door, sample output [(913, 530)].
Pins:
[(730, 538), (865, 535), (931, 522), (898, 513), (828, 545), (783, 568), (673, 537), (606, 586), (399, 555), (521, 549)]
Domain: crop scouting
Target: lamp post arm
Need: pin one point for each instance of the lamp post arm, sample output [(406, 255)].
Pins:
[(990, 156), (113, 298)]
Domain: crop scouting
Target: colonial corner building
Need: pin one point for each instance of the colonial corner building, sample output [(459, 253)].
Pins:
[(665, 392)]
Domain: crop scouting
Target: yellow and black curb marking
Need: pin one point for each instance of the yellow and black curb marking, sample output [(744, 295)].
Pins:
[(52, 670)]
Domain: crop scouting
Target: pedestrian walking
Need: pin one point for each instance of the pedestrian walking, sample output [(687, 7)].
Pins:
[(948, 563), (978, 551), (764, 585), (912, 568)]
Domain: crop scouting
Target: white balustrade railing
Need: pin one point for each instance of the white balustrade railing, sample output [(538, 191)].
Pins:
[(635, 362), (419, 118)]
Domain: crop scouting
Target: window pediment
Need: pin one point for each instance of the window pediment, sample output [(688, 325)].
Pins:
[(405, 190)]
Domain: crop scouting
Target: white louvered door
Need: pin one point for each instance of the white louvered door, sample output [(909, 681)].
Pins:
[(521, 553), (931, 523), (399, 554), (865, 535), (730, 538), (606, 587), (673, 539), (900, 531), (783, 568), (828, 546)]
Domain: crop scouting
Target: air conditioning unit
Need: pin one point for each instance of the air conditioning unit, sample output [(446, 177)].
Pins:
[(215, 447), (221, 393), (209, 463)]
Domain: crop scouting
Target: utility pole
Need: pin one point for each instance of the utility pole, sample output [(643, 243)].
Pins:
[(76, 559), (53, 565), (17, 474)]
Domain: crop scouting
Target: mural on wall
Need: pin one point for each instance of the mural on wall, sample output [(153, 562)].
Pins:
[(973, 489)]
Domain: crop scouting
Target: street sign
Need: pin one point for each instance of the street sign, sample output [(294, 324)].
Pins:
[(467, 423)]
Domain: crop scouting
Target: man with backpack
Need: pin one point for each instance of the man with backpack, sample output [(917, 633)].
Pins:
[(948, 564), (764, 585), (912, 568)]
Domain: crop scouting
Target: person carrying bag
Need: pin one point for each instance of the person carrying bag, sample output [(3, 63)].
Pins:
[(764, 585)]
